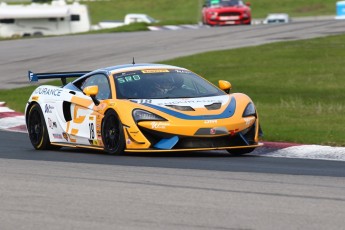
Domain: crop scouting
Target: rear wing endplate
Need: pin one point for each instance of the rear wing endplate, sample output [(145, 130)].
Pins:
[(62, 75)]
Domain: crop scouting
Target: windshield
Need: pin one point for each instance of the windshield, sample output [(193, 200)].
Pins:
[(162, 83), (225, 2)]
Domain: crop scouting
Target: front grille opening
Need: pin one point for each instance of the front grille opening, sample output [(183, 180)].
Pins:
[(229, 14), (201, 142)]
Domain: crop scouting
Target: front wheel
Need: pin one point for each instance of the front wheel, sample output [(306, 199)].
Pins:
[(112, 133), (37, 129)]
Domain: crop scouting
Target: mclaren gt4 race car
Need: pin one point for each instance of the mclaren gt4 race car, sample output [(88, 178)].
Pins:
[(140, 108)]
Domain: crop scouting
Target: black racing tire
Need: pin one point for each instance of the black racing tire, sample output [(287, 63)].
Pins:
[(37, 129), (112, 133), (238, 152)]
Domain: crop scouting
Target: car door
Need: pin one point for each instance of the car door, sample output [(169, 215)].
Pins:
[(84, 125)]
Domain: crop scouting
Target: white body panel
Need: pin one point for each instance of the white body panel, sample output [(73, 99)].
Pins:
[(81, 129), (43, 19)]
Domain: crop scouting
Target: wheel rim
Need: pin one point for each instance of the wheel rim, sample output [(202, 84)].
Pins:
[(111, 133), (35, 127)]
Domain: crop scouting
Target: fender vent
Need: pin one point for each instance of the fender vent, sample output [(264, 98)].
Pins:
[(66, 108), (181, 108), (213, 106)]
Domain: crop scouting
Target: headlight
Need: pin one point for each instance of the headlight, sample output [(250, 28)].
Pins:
[(142, 115), (249, 111)]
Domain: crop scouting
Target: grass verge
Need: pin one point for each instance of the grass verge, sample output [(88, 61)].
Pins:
[(297, 86)]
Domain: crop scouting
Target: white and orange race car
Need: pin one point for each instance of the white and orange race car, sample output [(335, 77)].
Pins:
[(140, 108)]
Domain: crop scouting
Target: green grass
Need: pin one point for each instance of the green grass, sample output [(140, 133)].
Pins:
[(260, 8), (167, 11), (182, 11), (298, 86)]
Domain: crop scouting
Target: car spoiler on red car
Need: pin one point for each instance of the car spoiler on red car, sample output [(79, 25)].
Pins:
[(62, 75)]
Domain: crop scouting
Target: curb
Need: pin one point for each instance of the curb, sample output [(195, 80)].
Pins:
[(314, 152), (279, 145), (11, 120)]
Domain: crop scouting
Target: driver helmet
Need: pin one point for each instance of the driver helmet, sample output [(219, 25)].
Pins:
[(165, 84)]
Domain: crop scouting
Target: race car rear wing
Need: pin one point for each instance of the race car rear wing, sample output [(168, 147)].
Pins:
[(62, 75)]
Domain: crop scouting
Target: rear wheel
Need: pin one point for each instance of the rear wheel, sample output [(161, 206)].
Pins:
[(37, 129), (112, 133)]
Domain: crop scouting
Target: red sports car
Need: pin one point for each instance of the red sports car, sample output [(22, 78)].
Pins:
[(226, 12)]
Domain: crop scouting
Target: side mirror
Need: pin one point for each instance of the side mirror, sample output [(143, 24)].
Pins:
[(92, 91), (224, 85)]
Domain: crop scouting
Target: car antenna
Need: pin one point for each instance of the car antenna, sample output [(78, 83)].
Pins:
[(133, 61)]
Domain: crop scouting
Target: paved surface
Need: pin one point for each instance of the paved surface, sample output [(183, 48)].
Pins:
[(89, 52), (73, 189)]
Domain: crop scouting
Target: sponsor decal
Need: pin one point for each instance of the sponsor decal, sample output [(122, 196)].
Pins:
[(233, 132), (155, 71), (57, 135), (51, 124), (181, 71), (159, 125), (49, 91), (210, 121), (65, 135), (48, 108), (128, 79), (188, 101), (212, 131), (93, 142), (142, 101), (31, 75), (128, 141)]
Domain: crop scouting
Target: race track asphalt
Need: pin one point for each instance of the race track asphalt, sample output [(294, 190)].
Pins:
[(78, 189)]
